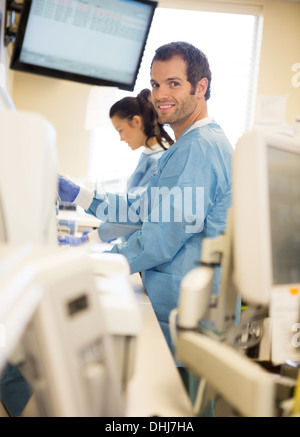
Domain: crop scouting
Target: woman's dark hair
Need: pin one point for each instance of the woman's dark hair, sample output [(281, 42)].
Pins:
[(142, 105)]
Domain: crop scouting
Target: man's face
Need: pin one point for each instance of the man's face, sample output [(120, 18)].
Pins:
[(171, 91)]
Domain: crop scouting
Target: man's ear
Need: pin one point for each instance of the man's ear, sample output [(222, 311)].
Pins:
[(202, 87)]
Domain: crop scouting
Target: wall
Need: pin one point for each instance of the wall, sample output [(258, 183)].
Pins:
[(279, 52), (64, 103)]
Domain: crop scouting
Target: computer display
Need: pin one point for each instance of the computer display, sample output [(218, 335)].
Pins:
[(266, 210), (97, 42), (284, 197)]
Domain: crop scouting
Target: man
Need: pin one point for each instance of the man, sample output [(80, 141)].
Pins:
[(188, 196)]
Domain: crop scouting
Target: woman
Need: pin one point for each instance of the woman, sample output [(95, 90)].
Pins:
[(136, 121)]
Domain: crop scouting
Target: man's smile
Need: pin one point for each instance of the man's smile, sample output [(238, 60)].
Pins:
[(165, 107)]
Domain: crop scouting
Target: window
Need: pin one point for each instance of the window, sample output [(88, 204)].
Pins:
[(231, 42)]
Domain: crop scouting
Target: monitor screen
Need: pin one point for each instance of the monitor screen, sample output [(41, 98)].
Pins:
[(97, 42), (284, 205)]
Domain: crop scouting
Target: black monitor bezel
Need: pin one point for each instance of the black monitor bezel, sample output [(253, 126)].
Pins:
[(18, 65)]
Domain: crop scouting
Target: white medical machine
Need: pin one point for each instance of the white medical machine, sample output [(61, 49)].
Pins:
[(259, 256), (28, 183), (67, 353), (48, 294), (28, 178), (267, 234), (69, 357), (18, 298), (120, 309)]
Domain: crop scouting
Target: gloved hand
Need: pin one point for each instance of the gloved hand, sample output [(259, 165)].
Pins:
[(64, 239), (67, 189)]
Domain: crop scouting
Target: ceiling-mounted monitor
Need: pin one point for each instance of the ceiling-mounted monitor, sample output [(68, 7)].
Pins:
[(97, 42)]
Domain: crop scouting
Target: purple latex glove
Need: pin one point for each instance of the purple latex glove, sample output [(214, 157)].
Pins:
[(67, 189), (65, 239)]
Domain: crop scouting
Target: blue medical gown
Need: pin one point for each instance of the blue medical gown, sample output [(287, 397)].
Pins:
[(139, 179), (166, 248)]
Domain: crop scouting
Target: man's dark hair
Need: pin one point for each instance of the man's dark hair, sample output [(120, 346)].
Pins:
[(197, 65)]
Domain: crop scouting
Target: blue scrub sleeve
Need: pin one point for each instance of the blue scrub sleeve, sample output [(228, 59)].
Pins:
[(112, 231), (15, 391)]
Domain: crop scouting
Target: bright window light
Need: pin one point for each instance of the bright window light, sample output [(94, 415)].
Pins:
[(231, 43)]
